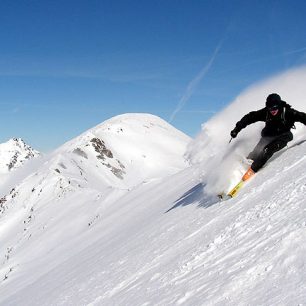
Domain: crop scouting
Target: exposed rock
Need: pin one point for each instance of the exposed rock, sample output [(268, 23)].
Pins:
[(100, 148), (62, 165), (118, 172), (14, 153), (80, 152)]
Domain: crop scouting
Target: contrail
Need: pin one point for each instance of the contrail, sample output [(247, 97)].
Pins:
[(195, 82)]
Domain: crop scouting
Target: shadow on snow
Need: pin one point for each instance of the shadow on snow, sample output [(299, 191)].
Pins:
[(195, 195)]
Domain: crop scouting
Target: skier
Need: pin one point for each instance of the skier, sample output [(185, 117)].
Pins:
[(280, 118)]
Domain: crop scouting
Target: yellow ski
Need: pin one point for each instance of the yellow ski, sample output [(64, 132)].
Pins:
[(233, 192)]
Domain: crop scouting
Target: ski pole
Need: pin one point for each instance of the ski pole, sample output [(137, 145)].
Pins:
[(230, 140)]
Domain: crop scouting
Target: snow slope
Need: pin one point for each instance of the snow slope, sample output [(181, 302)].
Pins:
[(76, 185), (161, 239), (246, 251)]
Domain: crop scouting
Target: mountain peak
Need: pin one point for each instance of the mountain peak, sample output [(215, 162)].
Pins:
[(133, 147), (14, 153)]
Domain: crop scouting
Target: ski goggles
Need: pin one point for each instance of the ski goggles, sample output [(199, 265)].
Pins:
[(273, 108)]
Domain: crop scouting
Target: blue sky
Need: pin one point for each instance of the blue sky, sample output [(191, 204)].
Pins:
[(66, 66)]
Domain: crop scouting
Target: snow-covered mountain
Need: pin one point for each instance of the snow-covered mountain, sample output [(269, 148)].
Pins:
[(123, 152), (120, 153), (74, 187), (117, 217), (14, 153)]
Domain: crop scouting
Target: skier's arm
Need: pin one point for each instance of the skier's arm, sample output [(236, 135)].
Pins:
[(248, 119), (299, 116)]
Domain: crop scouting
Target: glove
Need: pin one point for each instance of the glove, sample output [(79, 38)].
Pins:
[(234, 133)]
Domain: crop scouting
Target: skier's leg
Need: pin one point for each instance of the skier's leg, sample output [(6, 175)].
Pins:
[(275, 145), (257, 151)]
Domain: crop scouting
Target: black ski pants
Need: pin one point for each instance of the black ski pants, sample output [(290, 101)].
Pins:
[(266, 147)]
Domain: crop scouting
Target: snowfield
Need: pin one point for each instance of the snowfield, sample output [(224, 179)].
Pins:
[(118, 216)]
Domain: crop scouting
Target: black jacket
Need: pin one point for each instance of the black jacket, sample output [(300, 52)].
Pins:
[(281, 123)]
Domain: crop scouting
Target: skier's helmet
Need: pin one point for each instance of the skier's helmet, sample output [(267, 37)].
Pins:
[(273, 101)]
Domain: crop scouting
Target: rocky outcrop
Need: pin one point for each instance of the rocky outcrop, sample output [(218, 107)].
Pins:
[(14, 153)]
